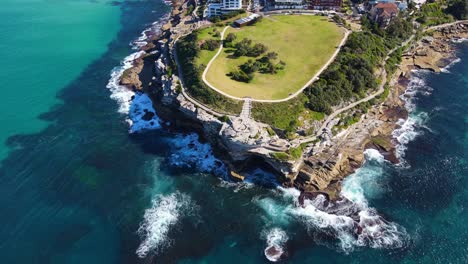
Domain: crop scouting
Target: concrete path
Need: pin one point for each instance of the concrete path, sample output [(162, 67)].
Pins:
[(328, 124)]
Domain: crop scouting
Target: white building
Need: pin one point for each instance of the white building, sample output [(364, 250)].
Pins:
[(216, 8), (289, 4)]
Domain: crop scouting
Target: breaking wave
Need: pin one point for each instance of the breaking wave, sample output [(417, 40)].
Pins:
[(410, 128), (165, 212), (189, 152), (446, 68), (142, 114), (120, 93), (149, 32), (276, 239), (350, 220), (459, 40)]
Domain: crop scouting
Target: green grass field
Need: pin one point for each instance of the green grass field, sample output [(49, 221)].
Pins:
[(205, 55), (304, 42)]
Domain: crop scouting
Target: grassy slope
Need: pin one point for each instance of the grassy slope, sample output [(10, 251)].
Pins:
[(304, 42), (205, 55)]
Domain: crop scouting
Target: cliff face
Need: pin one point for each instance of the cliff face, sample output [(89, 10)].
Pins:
[(241, 139), (332, 160)]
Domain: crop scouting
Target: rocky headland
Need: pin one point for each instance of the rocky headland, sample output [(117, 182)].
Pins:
[(241, 141)]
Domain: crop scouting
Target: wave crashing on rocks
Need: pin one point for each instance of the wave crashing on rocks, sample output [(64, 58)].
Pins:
[(164, 213)]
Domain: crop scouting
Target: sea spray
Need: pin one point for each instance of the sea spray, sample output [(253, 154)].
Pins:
[(189, 152), (149, 32), (367, 182), (350, 220), (142, 114), (410, 128), (164, 213), (120, 93), (276, 239), (450, 65)]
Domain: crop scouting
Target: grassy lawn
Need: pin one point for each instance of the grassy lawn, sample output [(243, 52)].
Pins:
[(205, 55), (304, 42)]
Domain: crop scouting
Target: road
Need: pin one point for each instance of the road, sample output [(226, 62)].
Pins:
[(313, 79)]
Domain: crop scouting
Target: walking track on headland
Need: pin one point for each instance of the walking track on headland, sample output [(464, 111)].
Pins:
[(326, 126), (313, 79)]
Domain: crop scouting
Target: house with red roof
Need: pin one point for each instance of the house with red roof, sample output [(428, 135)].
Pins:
[(383, 13)]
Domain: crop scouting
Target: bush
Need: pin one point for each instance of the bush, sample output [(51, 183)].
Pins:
[(295, 153), (210, 44), (245, 48), (280, 115), (241, 76), (458, 9), (230, 37), (224, 119), (350, 75), (282, 156)]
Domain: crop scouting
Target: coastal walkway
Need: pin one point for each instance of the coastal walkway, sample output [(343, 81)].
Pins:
[(328, 124)]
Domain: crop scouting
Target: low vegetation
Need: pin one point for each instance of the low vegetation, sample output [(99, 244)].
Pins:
[(283, 115), (433, 14), (351, 75), (227, 16), (282, 156), (265, 64), (457, 8), (188, 51)]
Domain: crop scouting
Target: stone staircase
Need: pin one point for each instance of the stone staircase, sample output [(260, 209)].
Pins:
[(246, 109)]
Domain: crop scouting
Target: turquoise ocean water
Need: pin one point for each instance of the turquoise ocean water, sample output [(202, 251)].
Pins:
[(77, 187)]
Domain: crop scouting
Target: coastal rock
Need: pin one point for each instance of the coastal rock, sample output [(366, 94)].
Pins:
[(130, 77), (239, 139)]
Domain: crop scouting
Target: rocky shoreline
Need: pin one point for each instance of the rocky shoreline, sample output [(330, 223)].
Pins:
[(240, 141), (330, 164)]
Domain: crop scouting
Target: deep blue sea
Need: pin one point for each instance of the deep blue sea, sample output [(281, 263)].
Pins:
[(95, 184)]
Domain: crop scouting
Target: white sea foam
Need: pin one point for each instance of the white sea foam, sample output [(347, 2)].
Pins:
[(152, 30), (189, 152), (367, 177), (120, 93), (142, 114), (408, 131), (274, 211), (459, 40), (276, 239), (165, 212), (410, 128), (446, 68), (351, 221)]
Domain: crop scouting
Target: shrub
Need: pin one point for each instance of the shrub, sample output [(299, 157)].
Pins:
[(282, 156), (230, 37), (241, 76), (210, 44)]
